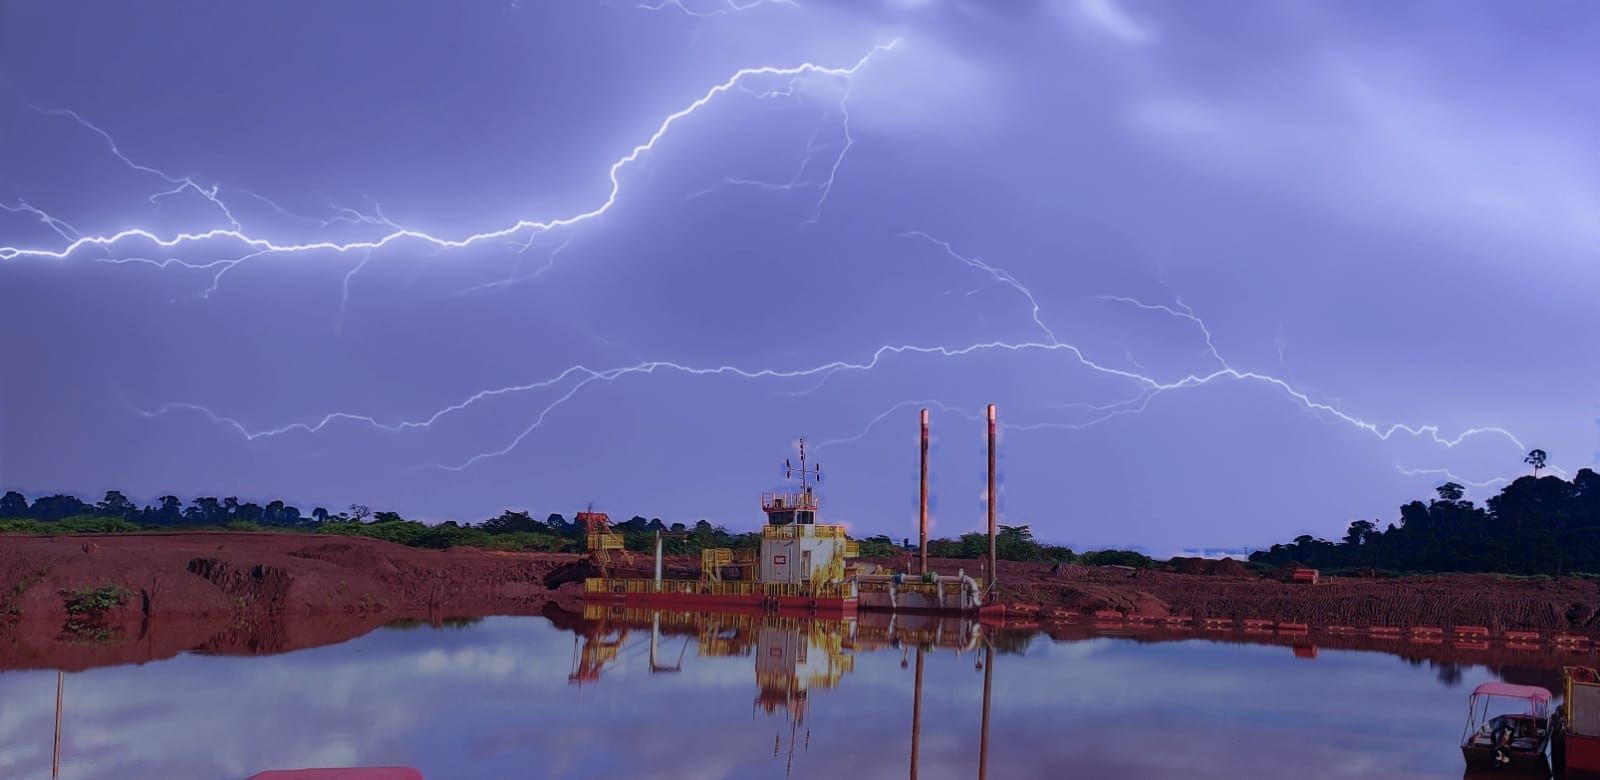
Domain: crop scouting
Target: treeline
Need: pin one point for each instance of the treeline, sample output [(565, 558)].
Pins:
[(1016, 543), (510, 530), (1536, 525)]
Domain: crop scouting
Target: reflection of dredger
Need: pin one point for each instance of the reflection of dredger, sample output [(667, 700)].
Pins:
[(793, 655)]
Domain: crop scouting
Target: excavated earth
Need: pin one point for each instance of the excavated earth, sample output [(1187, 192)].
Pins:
[(252, 593), (247, 592), (1228, 589)]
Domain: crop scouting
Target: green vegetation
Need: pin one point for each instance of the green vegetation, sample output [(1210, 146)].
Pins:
[(92, 602), (1011, 543), (1535, 526)]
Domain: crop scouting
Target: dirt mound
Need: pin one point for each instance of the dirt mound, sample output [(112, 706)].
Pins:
[(577, 571), (1211, 567), (249, 576), (1228, 567)]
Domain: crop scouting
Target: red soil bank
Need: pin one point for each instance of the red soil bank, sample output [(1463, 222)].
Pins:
[(262, 593), (1228, 589), (244, 592)]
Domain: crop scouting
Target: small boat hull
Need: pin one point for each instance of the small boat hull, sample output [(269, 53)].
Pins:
[(1482, 757)]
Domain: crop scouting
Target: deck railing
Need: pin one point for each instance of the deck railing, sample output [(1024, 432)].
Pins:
[(788, 500), (799, 530)]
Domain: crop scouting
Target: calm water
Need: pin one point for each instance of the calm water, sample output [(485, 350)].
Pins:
[(747, 698)]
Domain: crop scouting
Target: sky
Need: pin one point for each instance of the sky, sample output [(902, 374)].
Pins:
[(1230, 273)]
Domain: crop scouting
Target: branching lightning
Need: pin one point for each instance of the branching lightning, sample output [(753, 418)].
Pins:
[(729, 7), (1450, 475), (180, 183), (236, 234), (1149, 387), (60, 227)]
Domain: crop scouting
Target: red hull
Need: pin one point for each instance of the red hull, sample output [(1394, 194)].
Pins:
[(801, 604)]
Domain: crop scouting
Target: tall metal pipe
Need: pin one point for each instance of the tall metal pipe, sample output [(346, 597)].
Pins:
[(994, 566), (922, 514), (658, 561)]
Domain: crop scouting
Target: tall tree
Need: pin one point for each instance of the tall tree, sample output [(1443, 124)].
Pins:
[(171, 511), (1536, 459), (13, 504), (116, 505), (1451, 491)]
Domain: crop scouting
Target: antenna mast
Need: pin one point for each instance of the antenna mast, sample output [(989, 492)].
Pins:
[(789, 471)]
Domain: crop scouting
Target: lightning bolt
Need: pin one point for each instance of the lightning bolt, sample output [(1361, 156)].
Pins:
[(61, 228), (236, 234), (1183, 312), (1452, 476), (180, 183), (1149, 387), (730, 7)]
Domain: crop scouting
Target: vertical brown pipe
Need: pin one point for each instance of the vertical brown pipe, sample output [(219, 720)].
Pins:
[(916, 717), (988, 676), (922, 514), (994, 566)]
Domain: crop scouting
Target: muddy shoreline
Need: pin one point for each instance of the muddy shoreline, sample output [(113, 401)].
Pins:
[(260, 593)]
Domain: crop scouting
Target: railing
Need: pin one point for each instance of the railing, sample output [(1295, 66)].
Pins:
[(605, 541), (852, 548), (799, 530), (784, 501)]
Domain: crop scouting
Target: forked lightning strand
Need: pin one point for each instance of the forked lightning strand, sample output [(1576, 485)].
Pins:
[(236, 234)]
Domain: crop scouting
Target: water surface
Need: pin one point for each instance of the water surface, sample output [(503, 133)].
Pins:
[(755, 697)]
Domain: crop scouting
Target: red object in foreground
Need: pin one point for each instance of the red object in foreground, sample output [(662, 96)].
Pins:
[(347, 773)]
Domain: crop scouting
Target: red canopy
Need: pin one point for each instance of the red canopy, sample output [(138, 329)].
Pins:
[(1513, 690)]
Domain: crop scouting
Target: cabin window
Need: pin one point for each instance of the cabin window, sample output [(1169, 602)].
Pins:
[(781, 518), (806, 517)]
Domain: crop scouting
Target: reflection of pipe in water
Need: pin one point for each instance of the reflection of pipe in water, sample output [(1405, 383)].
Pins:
[(916, 717), (55, 755), (988, 676)]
